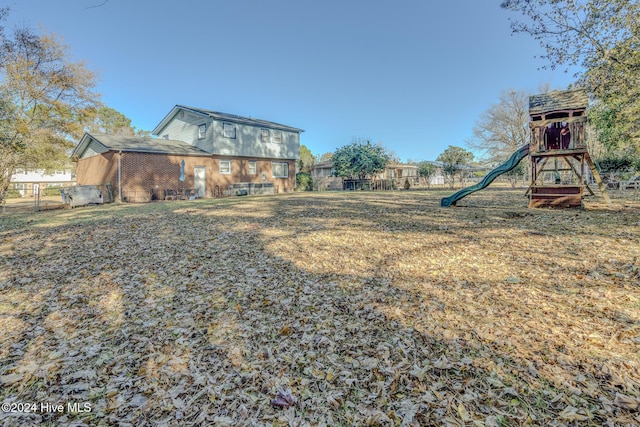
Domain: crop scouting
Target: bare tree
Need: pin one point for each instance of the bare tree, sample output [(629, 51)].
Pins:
[(97, 5), (503, 127)]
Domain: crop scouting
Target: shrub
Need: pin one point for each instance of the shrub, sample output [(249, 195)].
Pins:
[(304, 182), (618, 162), (51, 191), (12, 194)]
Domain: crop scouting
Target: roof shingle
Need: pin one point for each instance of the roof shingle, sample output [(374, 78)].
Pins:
[(146, 144), (576, 99)]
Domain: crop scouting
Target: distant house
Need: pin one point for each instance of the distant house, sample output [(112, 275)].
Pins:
[(401, 171), (28, 182), (322, 170), (323, 175), (323, 178), (438, 177), (394, 170), (197, 149)]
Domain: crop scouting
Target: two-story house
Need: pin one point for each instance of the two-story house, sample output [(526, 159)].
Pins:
[(28, 182), (196, 149)]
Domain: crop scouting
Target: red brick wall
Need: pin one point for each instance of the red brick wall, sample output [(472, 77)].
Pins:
[(97, 170), (142, 172), (240, 173)]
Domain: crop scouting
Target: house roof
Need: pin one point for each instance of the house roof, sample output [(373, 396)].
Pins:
[(576, 99), (139, 144), (401, 165), (224, 117), (328, 164)]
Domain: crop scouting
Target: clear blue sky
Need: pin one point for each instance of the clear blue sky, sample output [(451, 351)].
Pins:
[(412, 74)]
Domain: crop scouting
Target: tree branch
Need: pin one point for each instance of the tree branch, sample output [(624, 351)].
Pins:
[(97, 5)]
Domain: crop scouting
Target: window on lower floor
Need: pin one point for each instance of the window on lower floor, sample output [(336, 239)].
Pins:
[(225, 167), (280, 169), (253, 167)]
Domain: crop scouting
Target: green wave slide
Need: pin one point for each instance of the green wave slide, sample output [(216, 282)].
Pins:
[(488, 179)]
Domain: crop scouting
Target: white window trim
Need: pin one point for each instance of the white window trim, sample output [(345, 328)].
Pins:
[(230, 165), (273, 136), (224, 130), (253, 163), (202, 131), (286, 169), (263, 137)]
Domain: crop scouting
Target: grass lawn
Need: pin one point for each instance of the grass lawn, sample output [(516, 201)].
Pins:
[(338, 309)]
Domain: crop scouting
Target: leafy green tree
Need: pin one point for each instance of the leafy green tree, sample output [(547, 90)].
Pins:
[(454, 159), (326, 157), (44, 101), (304, 180), (307, 160), (107, 120), (603, 118), (600, 36), (360, 160), (426, 170)]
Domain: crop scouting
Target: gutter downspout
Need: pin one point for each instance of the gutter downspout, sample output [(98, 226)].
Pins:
[(120, 176)]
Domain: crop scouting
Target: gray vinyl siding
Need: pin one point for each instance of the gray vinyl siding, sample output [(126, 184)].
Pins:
[(248, 142), (93, 149), (183, 126), (186, 129)]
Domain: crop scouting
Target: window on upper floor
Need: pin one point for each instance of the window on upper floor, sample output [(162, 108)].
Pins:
[(280, 169), (277, 136), (225, 167), (165, 136), (253, 167), (202, 131), (264, 135), (229, 130)]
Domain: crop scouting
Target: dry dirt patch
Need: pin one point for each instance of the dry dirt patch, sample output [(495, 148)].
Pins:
[(324, 309)]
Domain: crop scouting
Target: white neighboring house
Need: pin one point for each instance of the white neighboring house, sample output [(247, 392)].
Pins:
[(30, 182)]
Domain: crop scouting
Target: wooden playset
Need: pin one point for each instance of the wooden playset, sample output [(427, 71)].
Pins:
[(561, 167)]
